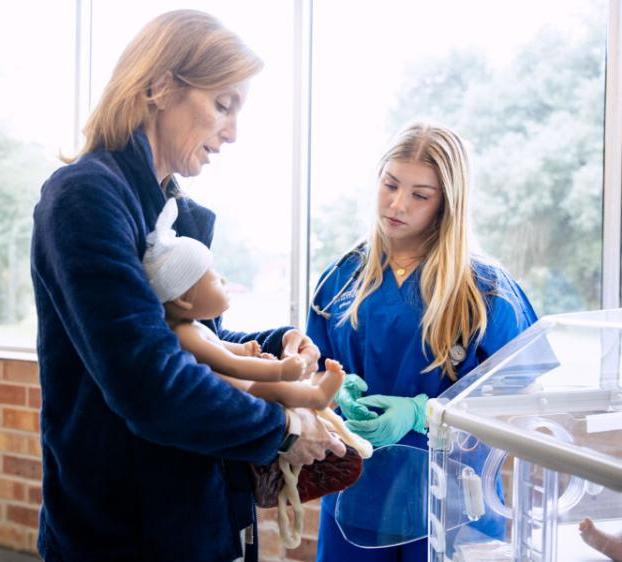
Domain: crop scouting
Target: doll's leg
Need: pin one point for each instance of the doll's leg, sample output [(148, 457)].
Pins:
[(319, 395), (609, 545), (301, 394), (327, 385)]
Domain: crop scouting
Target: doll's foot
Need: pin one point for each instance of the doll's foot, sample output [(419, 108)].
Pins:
[(316, 377), (292, 368), (328, 384), (252, 349), (609, 545)]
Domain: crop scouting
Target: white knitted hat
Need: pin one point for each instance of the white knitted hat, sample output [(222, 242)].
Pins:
[(173, 263)]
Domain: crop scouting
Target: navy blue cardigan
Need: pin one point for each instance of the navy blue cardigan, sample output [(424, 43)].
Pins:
[(143, 449)]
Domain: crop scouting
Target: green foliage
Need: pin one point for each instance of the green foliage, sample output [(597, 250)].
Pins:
[(23, 168), (536, 134), (336, 229), (535, 130)]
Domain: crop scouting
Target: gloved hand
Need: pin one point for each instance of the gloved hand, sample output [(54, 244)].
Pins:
[(401, 415), (352, 388)]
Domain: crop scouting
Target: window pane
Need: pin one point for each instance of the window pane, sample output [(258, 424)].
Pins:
[(523, 82), (249, 184), (35, 126)]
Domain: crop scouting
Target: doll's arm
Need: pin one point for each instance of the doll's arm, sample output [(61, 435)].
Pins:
[(247, 349), (207, 348)]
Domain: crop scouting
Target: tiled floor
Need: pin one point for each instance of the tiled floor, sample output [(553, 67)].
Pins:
[(12, 556)]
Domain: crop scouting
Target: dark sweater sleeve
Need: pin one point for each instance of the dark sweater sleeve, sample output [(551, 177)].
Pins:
[(271, 341), (86, 254)]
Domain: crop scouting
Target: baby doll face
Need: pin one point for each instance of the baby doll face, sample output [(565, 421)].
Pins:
[(207, 296)]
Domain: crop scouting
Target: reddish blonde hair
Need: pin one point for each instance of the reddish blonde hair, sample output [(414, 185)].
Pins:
[(192, 45)]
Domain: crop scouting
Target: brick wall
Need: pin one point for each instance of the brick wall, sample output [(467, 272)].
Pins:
[(20, 454), (20, 472)]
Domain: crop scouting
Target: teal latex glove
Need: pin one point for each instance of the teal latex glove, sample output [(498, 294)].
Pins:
[(401, 415), (352, 388)]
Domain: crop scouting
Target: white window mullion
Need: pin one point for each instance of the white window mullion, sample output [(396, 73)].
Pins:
[(82, 90), (612, 196), (301, 161)]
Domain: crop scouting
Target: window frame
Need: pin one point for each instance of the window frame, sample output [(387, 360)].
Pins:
[(301, 150), (612, 173)]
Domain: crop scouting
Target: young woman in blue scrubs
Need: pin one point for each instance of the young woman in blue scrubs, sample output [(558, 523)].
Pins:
[(418, 312)]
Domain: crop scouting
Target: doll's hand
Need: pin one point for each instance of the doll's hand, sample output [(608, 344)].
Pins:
[(292, 368), (252, 348), (296, 343)]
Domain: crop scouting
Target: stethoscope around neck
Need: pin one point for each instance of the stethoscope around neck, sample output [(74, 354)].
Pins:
[(360, 250), (457, 353)]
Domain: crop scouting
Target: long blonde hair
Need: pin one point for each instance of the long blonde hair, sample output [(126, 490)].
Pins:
[(192, 46), (455, 310)]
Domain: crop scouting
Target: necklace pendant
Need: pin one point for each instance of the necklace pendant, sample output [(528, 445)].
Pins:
[(400, 271)]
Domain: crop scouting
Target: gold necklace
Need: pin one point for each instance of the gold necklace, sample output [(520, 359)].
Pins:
[(400, 270)]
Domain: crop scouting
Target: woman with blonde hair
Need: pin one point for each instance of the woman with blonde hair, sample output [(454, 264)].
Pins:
[(144, 450), (419, 309)]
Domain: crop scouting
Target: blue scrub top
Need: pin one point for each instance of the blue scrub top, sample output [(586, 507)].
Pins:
[(386, 349)]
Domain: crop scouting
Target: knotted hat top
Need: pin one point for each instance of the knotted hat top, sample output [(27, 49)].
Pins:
[(173, 263)]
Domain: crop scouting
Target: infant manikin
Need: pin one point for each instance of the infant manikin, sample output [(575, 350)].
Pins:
[(181, 272)]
